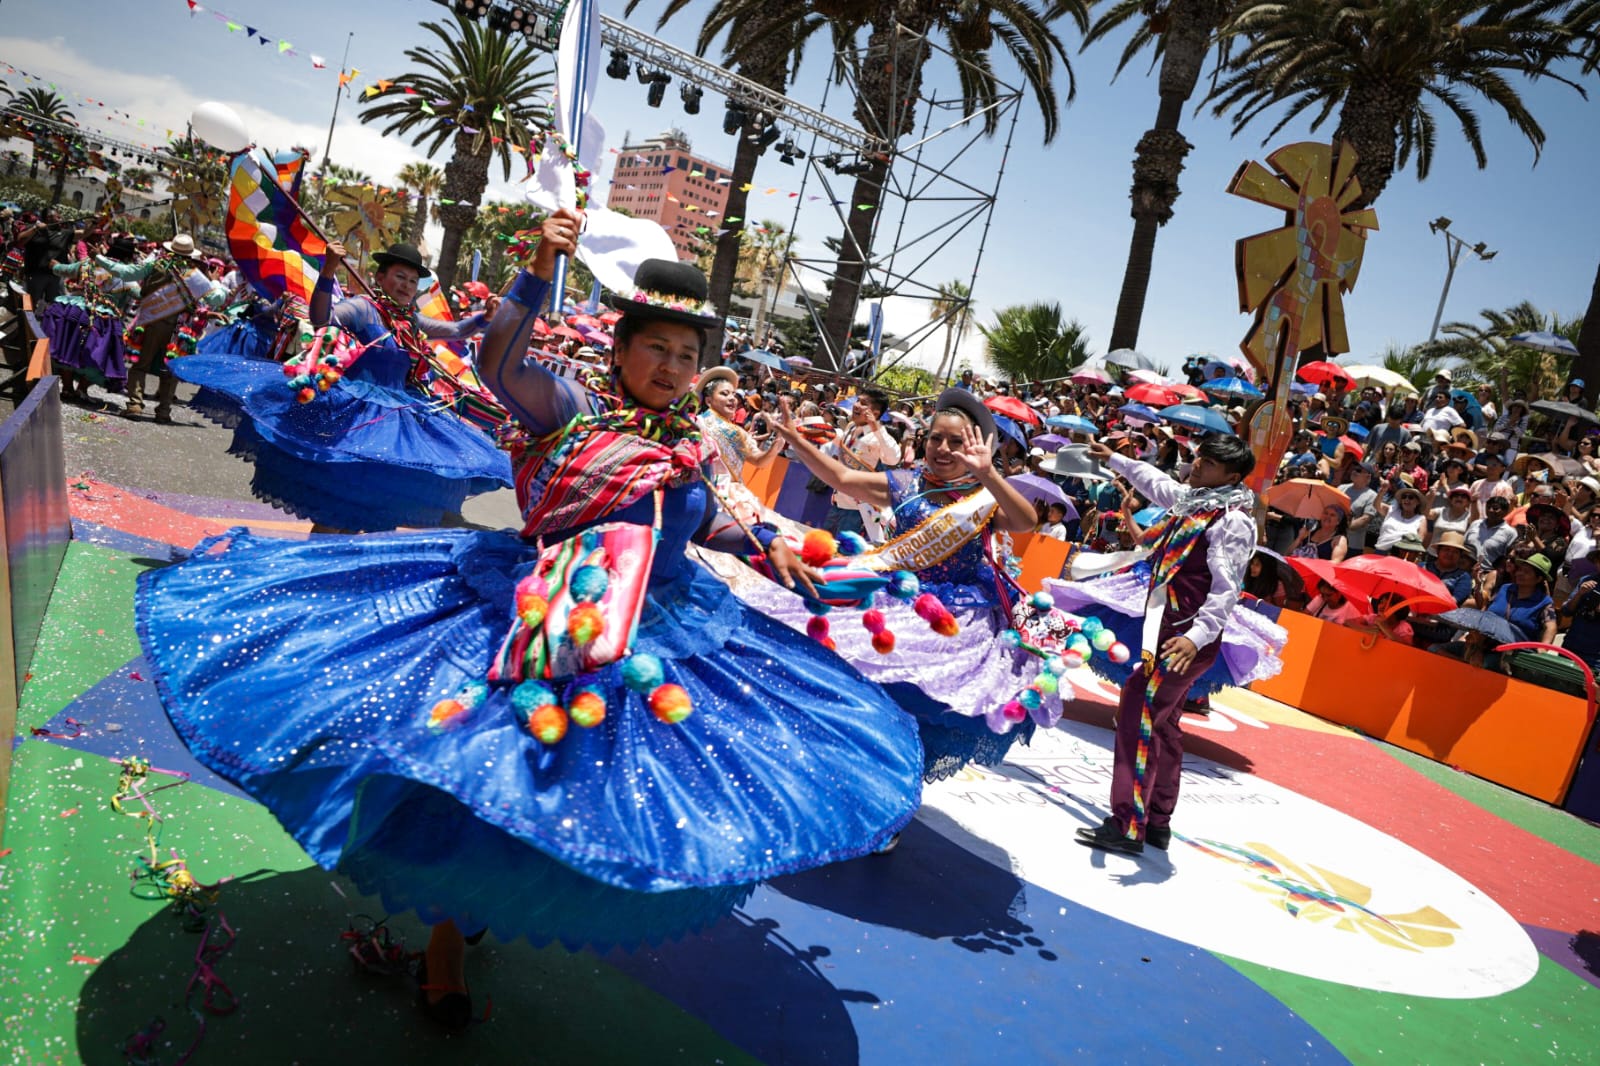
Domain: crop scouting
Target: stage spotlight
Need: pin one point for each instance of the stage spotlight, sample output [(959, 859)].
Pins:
[(831, 160), (470, 9), (765, 138), (658, 89), (691, 98), (642, 74), (733, 119), (618, 67), (853, 169)]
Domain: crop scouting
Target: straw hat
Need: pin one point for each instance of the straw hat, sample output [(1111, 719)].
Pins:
[(183, 245), (1452, 539)]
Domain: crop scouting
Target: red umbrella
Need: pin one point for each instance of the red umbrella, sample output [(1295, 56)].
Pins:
[(1380, 575), (1322, 372), (541, 328), (567, 332), (1312, 571), (584, 320), (611, 318), (1012, 407), (1188, 393), (1154, 395)]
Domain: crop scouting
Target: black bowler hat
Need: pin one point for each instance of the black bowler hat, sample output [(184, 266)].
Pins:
[(969, 405), (672, 291), (405, 255)]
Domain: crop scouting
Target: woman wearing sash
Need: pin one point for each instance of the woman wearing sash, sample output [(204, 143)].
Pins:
[(376, 450), (945, 519), (388, 729)]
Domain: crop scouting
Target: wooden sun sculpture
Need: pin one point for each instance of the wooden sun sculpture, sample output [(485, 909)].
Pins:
[(196, 203), (1294, 277), (368, 218)]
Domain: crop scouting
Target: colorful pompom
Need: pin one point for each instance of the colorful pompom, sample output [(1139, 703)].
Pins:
[(1055, 666), (818, 548), (851, 543), (872, 619), (883, 642), (1046, 682), (1072, 658), (1042, 601), (531, 609), (1014, 711), (305, 395), (904, 585), (533, 585), (817, 607), (1119, 652), (587, 708), (1030, 698), (642, 672), (548, 722), (1011, 638), (829, 643), (671, 704), (927, 606), (1103, 639), (585, 624), (530, 695), (817, 627), (946, 625), (589, 583), (445, 714)]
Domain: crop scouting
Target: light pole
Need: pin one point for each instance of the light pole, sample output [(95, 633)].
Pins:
[(1453, 247)]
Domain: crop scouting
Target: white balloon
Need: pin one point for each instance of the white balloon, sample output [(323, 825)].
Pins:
[(220, 126)]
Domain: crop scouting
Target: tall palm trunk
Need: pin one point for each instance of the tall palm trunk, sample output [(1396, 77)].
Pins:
[(1587, 364), (890, 85), (1368, 119), (58, 188), (419, 220), (465, 178), (1158, 160), (769, 67)]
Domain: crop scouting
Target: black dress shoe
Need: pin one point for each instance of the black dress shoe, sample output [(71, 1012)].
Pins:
[(1108, 837), (1158, 836)]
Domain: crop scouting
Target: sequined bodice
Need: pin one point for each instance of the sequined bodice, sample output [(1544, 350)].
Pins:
[(729, 440), (969, 565)]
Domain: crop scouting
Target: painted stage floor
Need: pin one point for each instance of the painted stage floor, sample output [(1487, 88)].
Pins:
[(1326, 898)]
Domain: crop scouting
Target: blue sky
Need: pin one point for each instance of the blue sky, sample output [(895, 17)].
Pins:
[(1060, 230)]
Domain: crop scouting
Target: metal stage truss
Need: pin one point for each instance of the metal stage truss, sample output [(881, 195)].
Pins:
[(937, 187), (96, 140)]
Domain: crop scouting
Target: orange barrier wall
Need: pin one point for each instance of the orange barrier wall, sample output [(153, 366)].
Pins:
[(1496, 727)]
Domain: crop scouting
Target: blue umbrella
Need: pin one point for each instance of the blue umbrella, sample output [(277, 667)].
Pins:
[(1545, 341), (1357, 431), (765, 358), (1202, 418), (1049, 442), (1232, 387), (1149, 516), (1303, 388), (1488, 623), (1072, 424), (1138, 412), (1010, 429), (1473, 409)]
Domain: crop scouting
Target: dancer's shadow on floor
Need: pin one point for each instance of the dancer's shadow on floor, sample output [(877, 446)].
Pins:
[(301, 998), (930, 885)]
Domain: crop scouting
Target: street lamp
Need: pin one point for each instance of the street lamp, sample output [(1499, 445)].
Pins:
[(1453, 247)]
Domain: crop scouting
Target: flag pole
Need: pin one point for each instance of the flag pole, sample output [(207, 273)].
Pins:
[(338, 91), (580, 11), (270, 173)]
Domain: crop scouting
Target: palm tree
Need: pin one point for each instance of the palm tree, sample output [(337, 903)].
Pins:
[(1417, 364), (768, 44), (1587, 364), (480, 92), (889, 82), (425, 180), (1516, 370), (1179, 33), (950, 306), (1381, 64), (1032, 342), (41, 104)]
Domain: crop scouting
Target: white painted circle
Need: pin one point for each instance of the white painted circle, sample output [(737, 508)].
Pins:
[(1255, 871)]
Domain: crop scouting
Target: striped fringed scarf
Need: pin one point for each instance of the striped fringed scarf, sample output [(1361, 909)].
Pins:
[(1171, 539), (600, 463)]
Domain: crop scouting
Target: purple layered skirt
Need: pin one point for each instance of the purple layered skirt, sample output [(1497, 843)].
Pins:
[(89, 344)]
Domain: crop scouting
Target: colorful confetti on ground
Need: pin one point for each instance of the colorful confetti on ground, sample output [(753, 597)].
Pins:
[(1326, 898)]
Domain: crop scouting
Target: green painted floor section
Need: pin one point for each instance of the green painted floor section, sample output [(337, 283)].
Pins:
[(65, 894)]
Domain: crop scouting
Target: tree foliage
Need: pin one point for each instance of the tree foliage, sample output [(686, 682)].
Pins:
[(1035, 342)]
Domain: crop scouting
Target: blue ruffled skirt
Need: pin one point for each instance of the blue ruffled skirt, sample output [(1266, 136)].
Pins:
[(358, 457), (305, 672), (245, 337)]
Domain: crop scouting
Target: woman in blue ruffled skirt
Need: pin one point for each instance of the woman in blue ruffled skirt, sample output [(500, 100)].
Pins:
[(383, 695)]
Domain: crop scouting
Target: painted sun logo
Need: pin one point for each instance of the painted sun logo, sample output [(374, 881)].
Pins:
[(1319, 895)]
